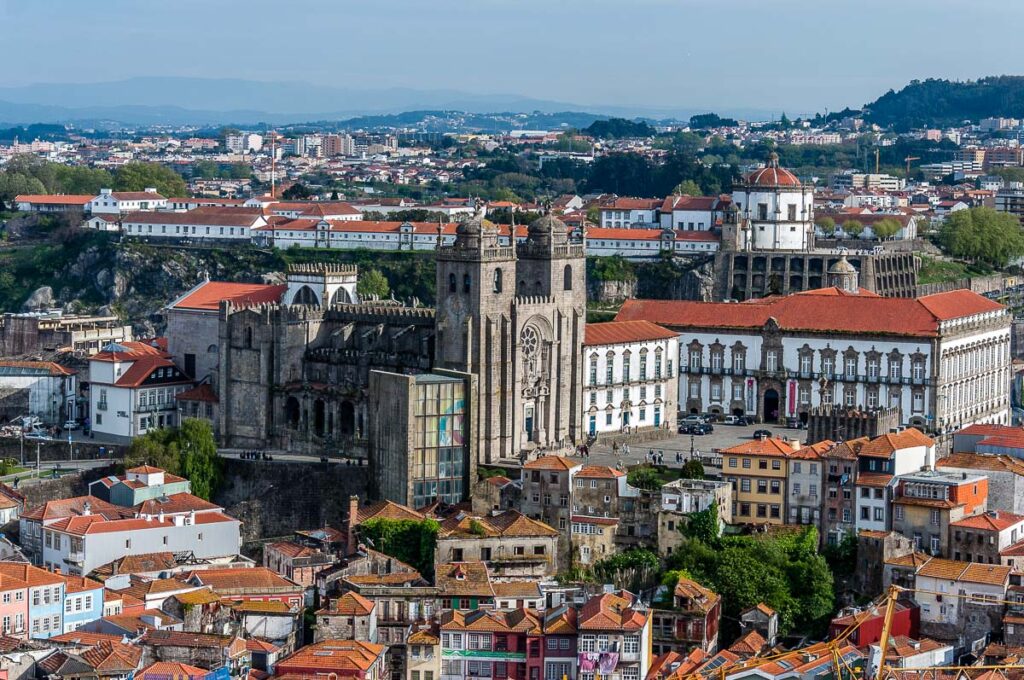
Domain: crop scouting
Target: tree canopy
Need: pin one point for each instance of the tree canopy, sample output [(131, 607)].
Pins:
[(983, 235), (617, 128), (409, 540), (372, 283), (644, 477), (189, 451), (140, 176)]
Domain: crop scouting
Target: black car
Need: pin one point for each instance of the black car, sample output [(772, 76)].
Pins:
[(758, 434)]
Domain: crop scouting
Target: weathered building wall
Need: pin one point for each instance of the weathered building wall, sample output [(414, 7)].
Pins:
[(275, 499)]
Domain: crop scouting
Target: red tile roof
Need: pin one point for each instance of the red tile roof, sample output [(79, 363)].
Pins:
[(340, 656), (599, 472), (993, 520), (349, 604), (162, 670), (50, 367), (883, 446), (54, 199), (202, 392), (611, 611), (143, 368), (204, 216), (74, 507), (818, 311), (621, 332), (767, 446), (207, 296)]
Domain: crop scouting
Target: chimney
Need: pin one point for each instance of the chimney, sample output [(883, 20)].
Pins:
[(353, 518), (87, 509), (795, 443)]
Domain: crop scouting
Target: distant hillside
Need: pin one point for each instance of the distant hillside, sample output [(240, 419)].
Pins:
[(933, 103)]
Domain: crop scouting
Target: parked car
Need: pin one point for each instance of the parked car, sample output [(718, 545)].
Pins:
[(758, 434), (735, 420), (794, 423), (693, 419), (70, 425)]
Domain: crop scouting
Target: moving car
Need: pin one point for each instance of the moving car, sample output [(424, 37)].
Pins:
[(758, 434)]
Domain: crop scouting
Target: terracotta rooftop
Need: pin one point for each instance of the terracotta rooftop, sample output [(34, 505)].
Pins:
[(624, 332), (509, 523), (553, 463), (611, 611), (387, 510), (231, 580), (349, 604), (162, 670), (207, 296), (464, 579), (340, 656), (767, 446), (993, 520), (885, 445)]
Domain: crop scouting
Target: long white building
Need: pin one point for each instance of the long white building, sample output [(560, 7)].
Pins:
[(630, 378), (943, 359)]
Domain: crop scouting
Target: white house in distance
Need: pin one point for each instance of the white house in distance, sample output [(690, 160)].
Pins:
[(52, 203), (49, 391), (207, 223), (630, 380), (692, 213), (640, 213), (132, 389), (124, 202)]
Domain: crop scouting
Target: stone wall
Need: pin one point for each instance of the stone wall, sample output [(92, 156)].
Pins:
[(57, 450), (978, 284), (275, 499)]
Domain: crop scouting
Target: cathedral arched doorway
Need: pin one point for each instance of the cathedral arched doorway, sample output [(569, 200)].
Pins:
[(319, 417), (348, 419), (305, 296), (291, 413), (770, 410)]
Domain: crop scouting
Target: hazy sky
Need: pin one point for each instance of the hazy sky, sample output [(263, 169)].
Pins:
[(792, 55)]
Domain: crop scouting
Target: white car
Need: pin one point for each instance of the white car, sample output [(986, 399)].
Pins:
[(71, 425)]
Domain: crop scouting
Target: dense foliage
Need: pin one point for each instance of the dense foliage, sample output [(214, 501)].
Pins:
[(188, 451), (634, 569), (617, 128), (703, 525), (983, 235), (373, 284), (936, 102), (784, 571), (27, 174), (644, 477), (711, 120), (411, 541)]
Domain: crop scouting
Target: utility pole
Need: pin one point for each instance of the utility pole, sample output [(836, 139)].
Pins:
[(37, 459)]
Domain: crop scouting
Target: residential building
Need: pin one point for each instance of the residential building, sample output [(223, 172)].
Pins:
[(343, 658), (123, 202), (83, 602), (14, 599), (138, 485), (880, 461), (763, 620), (838, 477), (604, 493), (243, 142), (804, 499), (1011, 200), (131, 390), (683, 497), (631, 385), (296, 562), (927, 503), (547, 483), (511, 544), (33, 520), (642, 213), (495, 644), (464, 586), (208, 649), (402, 598), (43, 389), (692, 622), (349, 617), (106, 660), (249, 584), (765, 358), (423, 660), (757, 471), (692, 213), (161, 670), (45, 595), (983, 537), (521, 594), (36, 332), (79, 544), (561, 638), (615, 638), (960, 618)]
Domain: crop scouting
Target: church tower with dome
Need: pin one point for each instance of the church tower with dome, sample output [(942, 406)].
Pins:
[(514, 316), (773, 211)]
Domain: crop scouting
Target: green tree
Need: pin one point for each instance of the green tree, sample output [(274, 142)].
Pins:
[(297, 191), (140, 176), (82, 180), (827, 225), (703, 525), (852, 228), (983, 235), (692, 469), (886, 228), (373, 283), (632, 569), (644, 477), (15, 183), (688, 187), (200, 463)]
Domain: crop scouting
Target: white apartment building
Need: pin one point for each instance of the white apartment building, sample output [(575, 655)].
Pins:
[(631, 381), (83, 543), (111, 202), (641, 213), (691, 213), (132, 390), (243, 142), (50, 390), (640, 244), (880, 462), (943, 359)]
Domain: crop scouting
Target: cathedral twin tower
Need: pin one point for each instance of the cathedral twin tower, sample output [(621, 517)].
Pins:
[(514, 316)]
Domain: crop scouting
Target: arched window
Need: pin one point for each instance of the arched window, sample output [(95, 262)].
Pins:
[(497, 280), (567, 278), (465, 283), (248, 338), (452, 285)]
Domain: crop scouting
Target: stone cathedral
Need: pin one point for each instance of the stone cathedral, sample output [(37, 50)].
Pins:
[(297, 376), (514, 316)]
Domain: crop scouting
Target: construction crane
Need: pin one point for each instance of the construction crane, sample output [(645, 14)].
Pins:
[(907, 161)]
